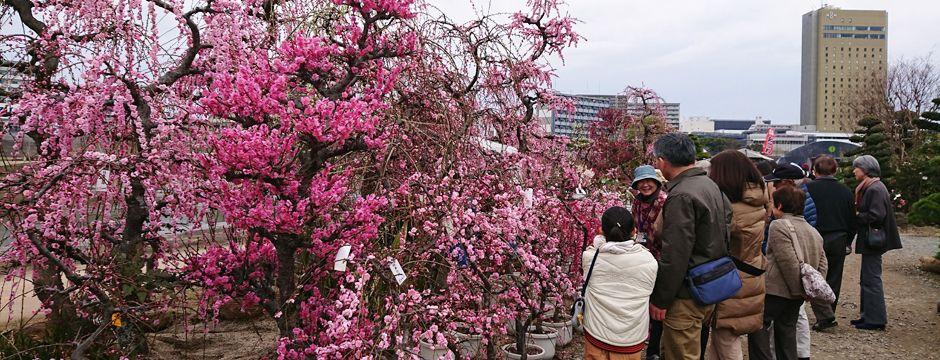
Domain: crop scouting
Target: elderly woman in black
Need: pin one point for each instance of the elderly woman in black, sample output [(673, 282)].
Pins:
[(877, 233)]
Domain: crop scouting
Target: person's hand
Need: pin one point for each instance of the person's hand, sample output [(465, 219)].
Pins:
[(657, 313)]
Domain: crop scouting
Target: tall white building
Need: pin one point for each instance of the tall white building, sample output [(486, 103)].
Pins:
[(574, 124), (622, 102), (586, 109)]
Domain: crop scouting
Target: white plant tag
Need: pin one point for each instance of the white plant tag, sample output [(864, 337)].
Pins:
[(342, 256), (579, 193), (529, 196), (449, 227), (397, 271)]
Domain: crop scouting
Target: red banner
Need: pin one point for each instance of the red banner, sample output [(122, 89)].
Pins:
[(769, 142)]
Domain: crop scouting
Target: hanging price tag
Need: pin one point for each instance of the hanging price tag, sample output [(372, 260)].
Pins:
[(397, 271), (528, 197), (579, 193), (342, 257), (449, 227)]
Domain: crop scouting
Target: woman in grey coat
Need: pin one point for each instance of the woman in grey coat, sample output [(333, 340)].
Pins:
[(875, 214)]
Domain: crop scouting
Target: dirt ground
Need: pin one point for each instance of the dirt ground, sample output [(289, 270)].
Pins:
[(912, 296), (227, 340)]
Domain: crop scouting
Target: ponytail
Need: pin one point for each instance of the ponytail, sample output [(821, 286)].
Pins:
[(615, 235), (617, 224)]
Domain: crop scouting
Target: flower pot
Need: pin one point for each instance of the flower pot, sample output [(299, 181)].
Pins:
[(511, 326), (434, 352), (468, 345), (545, 341), (564, 329), (535, 352)]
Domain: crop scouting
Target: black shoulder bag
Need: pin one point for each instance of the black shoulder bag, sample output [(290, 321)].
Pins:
[(577, 309)]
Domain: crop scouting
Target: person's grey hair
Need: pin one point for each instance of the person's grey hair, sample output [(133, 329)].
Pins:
[(868, 164), (676, 148)]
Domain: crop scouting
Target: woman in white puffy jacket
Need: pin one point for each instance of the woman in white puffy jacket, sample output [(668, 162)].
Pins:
[(616, 302)]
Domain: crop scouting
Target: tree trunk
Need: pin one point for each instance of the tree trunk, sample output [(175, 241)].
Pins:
[(130, 265), (286, 285), (47, 283)]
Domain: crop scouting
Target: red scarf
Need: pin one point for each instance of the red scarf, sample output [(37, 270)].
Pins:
[(860, 189), (644, 215)]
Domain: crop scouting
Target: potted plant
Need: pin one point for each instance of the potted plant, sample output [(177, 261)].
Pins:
[(431, 351), (532, 352), (544, 337), (561, 322), (468, 340)]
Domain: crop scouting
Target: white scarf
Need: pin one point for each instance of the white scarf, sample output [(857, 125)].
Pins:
[(623, 247)]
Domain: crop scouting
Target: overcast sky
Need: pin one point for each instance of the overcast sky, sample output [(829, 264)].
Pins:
[(718, 58)]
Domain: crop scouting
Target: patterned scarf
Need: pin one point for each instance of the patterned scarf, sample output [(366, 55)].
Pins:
[(860, 190), (645, 212)]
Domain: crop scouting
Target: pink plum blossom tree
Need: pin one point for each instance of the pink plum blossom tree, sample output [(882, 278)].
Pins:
[(378, 126)]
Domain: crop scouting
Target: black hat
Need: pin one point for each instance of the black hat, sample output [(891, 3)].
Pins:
[(786, 171)]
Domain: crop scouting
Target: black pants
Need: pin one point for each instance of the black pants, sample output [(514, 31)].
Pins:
[(834, 246), (656, 334), (781, 314), (872, 307)]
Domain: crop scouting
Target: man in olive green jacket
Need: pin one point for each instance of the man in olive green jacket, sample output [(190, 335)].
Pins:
[(696, 221)]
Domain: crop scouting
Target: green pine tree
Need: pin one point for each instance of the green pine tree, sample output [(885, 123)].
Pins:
[(701, 152), (871, 134), (921, 175)]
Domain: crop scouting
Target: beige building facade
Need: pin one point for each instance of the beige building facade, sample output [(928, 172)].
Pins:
[(845, 53)]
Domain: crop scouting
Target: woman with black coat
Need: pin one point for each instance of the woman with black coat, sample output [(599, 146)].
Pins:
[(877, 234)]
